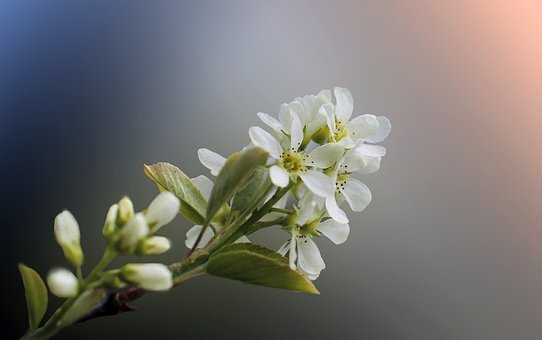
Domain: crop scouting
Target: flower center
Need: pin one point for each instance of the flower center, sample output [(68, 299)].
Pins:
[(342, 179), (340, 130), (293, 162)]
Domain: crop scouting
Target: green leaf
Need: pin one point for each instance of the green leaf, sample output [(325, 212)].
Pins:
[(36, 295), (168, 177), (257, 265), (247, 198), (235, 173)]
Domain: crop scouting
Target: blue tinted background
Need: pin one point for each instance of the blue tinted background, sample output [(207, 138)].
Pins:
[(448, 249)]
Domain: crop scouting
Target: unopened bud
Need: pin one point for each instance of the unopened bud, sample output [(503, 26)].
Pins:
[(126, 211), (110, 224), (68, 236), (155, 245), (149, 276), (133, 232), (162, 210), (62, 283)]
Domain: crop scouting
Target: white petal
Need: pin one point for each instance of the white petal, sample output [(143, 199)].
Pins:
[(309, 276), (357, 194), (326, 110), (270, 121), (285, 117), (211, 160), (335, 231), (292, 256), (263, 139), (284, 248), (162, 210), (326, 155), (279, 176), (334, 211), (371, 150), (363, 127), (307, 208), (318, 183), (347, 143), (192, 236), (324, 96), (309, 258), (345, 104), (204, 185), (383, 131), (372, 165), (352, 161), (296, 131), (297, 109)]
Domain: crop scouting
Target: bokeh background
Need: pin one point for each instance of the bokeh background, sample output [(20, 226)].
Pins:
[(450, 247)]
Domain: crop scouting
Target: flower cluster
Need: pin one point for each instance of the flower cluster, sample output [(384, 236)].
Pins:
[(127, 232), (315, 147)]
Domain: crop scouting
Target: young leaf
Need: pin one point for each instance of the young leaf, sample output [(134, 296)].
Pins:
[(36, 295), (257, 265), (168, 177), (248, 197), (238, 168)]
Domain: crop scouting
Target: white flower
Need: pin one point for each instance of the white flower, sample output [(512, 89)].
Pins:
[(110, 224), (155, 245), (162, 210), (134, 231), (68, 236), (362, 158), (304, 254), (294, 162), (62, 283), (126, 210), (204, 185), (149, 276), (306, 108), (346, 132), (211, 160), (193, 233)]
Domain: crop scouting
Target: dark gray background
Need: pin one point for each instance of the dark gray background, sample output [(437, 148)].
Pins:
[(448, 249)]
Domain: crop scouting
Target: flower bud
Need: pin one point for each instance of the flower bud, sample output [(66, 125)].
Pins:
[(133, 232), (68, 237), (62, 283), (162, 210), (155, 245), (126, 211), (149, 276), (110, 224)]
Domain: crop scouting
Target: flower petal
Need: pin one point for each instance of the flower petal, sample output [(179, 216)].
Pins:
[(296, 130), (334, 211), (326, 155), (270, 121), (211, 160), (352, 161), (357, 194), (204, 185), (345, 104), (371, 150), (309, 257), (363, 127), (292, 256), (193, 233), (335, 231), (372, 165), (327, 110), (383, 131), (279, 176), (284, 248), (263, 139), (285, 117), (320, 184)]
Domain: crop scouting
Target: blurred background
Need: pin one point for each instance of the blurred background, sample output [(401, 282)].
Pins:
[(450, 247)]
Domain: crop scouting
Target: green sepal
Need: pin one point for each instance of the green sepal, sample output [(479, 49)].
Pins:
[(168, 177), (36, 295), (257, 265)]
